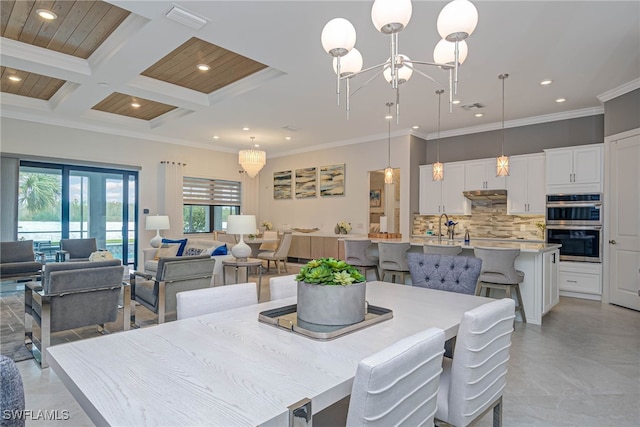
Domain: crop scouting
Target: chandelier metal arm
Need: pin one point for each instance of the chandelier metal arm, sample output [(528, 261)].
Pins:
[(427, 76), (364, 70), (443, 66)]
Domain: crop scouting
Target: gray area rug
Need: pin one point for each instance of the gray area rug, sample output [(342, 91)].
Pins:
[(12, 326)]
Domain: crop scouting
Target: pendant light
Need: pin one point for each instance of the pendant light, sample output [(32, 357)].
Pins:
[(388, 172), (438, 168), (502, 162)]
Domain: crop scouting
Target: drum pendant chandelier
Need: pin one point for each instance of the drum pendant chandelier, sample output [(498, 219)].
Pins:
[(252, 160), (456, 21)]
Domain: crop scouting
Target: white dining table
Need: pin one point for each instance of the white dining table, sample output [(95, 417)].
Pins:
[(229, 369)]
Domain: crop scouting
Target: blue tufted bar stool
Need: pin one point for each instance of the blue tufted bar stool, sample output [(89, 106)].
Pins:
[(445, 272), (12, 394)]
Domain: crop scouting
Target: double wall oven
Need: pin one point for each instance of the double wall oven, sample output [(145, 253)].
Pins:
[(575, 222)]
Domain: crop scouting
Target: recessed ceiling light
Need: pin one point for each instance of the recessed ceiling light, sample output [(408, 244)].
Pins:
[(478, 115), (288, 138), (46, 14), (388, 117), (135, 105), (216, 137), (203, 67), (245, 128), (455, 102), (559, 100), (415, 127), (546, 82), (15, 78), (103, 84), (256, 145)]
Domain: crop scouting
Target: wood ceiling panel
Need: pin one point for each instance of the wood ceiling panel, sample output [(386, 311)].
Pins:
[(119, 103), (81, 27), (179, 66), (32, 85)]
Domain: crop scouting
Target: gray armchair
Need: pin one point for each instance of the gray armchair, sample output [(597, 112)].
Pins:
[(76, 249), (18, 261), (174, 274), (73, 295)]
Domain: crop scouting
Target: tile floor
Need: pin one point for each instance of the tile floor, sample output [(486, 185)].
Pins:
[(580, 368)]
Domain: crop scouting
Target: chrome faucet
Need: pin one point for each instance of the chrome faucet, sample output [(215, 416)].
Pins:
[(446, 217)]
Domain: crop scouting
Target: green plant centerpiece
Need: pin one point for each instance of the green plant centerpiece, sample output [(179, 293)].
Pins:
[(330, 292)]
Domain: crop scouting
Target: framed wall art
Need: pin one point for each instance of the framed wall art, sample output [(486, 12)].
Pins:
[(375, 198), (332, 180), (282, 185), (305, 183)]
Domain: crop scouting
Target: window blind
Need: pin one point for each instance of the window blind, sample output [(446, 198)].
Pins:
[(211, 192)]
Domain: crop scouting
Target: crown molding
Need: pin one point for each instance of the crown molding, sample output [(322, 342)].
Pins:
[(12, 100), (527, 121), (619, 91)]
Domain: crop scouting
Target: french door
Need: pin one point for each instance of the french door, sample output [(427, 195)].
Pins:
[(67, 201)]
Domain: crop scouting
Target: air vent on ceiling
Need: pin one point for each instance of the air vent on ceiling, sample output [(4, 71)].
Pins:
[(474, 106), (290, 128), (183, 17)]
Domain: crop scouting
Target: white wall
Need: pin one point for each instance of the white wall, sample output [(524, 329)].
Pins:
[(71, 145), (353, 207)]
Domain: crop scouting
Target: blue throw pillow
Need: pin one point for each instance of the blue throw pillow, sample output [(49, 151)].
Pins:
[(220, 250), (183, 243)]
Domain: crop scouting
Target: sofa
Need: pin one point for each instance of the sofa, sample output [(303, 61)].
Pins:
[(194, 246)]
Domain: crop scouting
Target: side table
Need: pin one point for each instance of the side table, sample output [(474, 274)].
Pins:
[(250, 262)]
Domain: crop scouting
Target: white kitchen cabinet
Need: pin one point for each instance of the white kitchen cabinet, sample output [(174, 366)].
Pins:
[(580, 279), (525, 185), (481, 175), (437, 197), (550, 290), (574, 169)]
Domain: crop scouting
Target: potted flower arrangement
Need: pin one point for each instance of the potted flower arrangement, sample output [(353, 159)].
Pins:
[(330, 292), (267, 225)]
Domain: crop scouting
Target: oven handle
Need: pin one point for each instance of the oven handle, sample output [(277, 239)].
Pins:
[(596, 205), (573, 227)]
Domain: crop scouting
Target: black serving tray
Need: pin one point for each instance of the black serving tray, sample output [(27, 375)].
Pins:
[(286, 318)]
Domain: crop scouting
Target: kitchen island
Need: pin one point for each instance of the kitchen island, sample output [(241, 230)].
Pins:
[(538, 261)]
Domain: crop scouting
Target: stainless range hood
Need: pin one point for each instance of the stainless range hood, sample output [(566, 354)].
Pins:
[(486, 194)]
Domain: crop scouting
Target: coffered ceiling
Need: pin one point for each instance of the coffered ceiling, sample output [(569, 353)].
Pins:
[(269, 73)]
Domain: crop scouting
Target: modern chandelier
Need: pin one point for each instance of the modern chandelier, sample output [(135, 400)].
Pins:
[(252, 160), (456, 21)]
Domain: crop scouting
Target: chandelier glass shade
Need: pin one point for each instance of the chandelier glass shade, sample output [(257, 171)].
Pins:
[(457, 21), (252, 160), (502, 162), (388, 175)]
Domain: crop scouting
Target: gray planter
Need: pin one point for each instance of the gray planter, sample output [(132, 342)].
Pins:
[(331, 304)]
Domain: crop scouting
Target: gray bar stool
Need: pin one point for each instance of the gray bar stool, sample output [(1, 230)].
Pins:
[(499, 272), (393, 259), (442, 249), (355, 253)]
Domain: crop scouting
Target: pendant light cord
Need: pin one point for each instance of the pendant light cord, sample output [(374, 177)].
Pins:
[(502, 77), (439, 92), (389, 104)]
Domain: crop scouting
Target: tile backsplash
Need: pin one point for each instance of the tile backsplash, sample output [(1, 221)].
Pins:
[(488, 219)]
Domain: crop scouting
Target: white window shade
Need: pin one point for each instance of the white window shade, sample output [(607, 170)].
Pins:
[(210, 192)]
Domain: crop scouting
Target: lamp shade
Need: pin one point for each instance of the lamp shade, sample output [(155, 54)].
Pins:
[(338, 37), (252, 161), (404, 72), (444, 52), (241, 224), (349, 64), (457, 20), (157, 222), (391, 16)]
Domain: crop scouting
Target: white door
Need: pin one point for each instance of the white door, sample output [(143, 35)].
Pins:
[(586, 164), (453, 202), (430, 193), (559, 166), (536, 200), (624, 222), (474, 175), (517, 186)]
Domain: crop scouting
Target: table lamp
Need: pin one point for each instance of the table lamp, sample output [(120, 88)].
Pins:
[(241, 224), (157, 222)]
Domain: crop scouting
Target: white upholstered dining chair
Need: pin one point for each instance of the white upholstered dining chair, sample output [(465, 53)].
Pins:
[(473, 381), (283, 287), (399, 384), (212, 300)]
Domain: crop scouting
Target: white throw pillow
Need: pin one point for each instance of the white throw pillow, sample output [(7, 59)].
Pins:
[(100, 256)]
